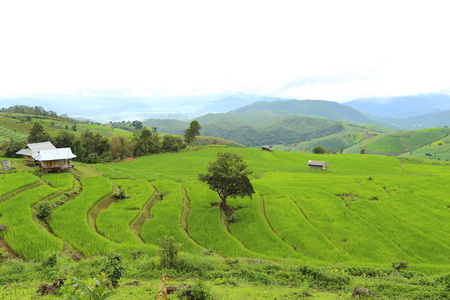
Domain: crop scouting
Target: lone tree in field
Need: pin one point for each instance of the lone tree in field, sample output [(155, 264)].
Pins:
[(228, 176), (191, 133)]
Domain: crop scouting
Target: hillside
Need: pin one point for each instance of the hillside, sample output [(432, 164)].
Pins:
[(316, 108), (405, 141), (277, 122), (358, 187), (339, 229)]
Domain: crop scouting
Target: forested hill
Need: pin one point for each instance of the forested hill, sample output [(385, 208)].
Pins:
[(257, 128), (317, 108)]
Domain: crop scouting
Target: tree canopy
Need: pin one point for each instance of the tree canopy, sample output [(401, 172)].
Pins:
[(37, 134), (228, 176), (191, 133)]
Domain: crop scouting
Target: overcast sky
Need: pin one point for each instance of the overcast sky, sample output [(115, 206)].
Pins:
[(333, 50)]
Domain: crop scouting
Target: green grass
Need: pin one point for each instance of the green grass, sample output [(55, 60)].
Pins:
[(166, 217), (114, 222), (62, 182), (254, 232), (23, 235), (365, 209), (405, 141), (69, 221), (205, 226), (10, 182)]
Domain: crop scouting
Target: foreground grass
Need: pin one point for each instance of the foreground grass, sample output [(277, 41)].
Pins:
[(226, 279)]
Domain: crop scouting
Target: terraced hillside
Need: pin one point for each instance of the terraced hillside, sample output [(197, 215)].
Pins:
[(365, 209)]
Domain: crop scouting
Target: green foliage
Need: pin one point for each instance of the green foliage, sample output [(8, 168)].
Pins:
[(196, 291), (113, 268), (13, 147), (228, 176), (399, 265), (191, 133), (37, 134), (64, 139), (168, 252), (75, 289), (43, 211), (147, 143), (319, 150)]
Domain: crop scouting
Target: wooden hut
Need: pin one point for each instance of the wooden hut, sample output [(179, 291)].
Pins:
[(55, 159), (317, 165), (32, 149), (268, 148)]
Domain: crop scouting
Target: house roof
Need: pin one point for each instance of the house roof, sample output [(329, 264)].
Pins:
[(32, 149), (317, 163), (54, 154)]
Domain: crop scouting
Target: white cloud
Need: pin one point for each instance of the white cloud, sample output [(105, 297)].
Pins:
[(335, 50)]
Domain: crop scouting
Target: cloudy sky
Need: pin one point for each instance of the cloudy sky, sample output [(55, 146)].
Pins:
[(334, 50)]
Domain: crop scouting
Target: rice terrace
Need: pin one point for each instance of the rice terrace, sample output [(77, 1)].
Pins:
[(303, 232)]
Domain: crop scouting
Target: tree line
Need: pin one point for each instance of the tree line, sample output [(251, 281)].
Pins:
[(90, 147)]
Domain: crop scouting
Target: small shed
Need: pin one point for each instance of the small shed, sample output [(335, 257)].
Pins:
[(32, 149), (268, 148), (318, 165), (55, 159)]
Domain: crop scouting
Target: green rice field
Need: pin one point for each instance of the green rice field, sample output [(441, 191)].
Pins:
[(366, 209)]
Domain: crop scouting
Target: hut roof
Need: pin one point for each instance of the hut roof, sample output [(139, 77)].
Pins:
[(32, 149), (54, 154), (317, 163)]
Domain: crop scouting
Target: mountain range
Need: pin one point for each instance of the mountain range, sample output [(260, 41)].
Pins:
[(406, 112)]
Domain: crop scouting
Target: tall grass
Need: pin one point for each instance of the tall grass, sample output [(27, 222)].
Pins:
[(62, 182), (252, 229), (205, 226), (23, 235), (114, 222), (288, 221), (166, 217), (422, 247), (69, 221), (11, 182)]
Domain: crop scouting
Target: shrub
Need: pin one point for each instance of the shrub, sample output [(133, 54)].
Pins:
[(168, 252), (112, 266), (196, 291), (43, 211), (399, 265)]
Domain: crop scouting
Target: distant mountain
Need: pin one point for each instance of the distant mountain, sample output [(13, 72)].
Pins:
[(433, 120), (316, 108), (235, 101), (118, 105), (402, 107)]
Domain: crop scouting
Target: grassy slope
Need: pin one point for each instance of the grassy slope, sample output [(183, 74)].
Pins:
[(345, 197), (370, 209)]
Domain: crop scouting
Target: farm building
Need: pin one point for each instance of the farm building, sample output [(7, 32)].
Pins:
[(267, 148), (318, 165), (47, 156), (32, 149), (55, 159)]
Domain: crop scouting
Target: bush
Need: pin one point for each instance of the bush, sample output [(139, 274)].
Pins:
[(196, 291), (168, 252), (399, 265), (112, 266)]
